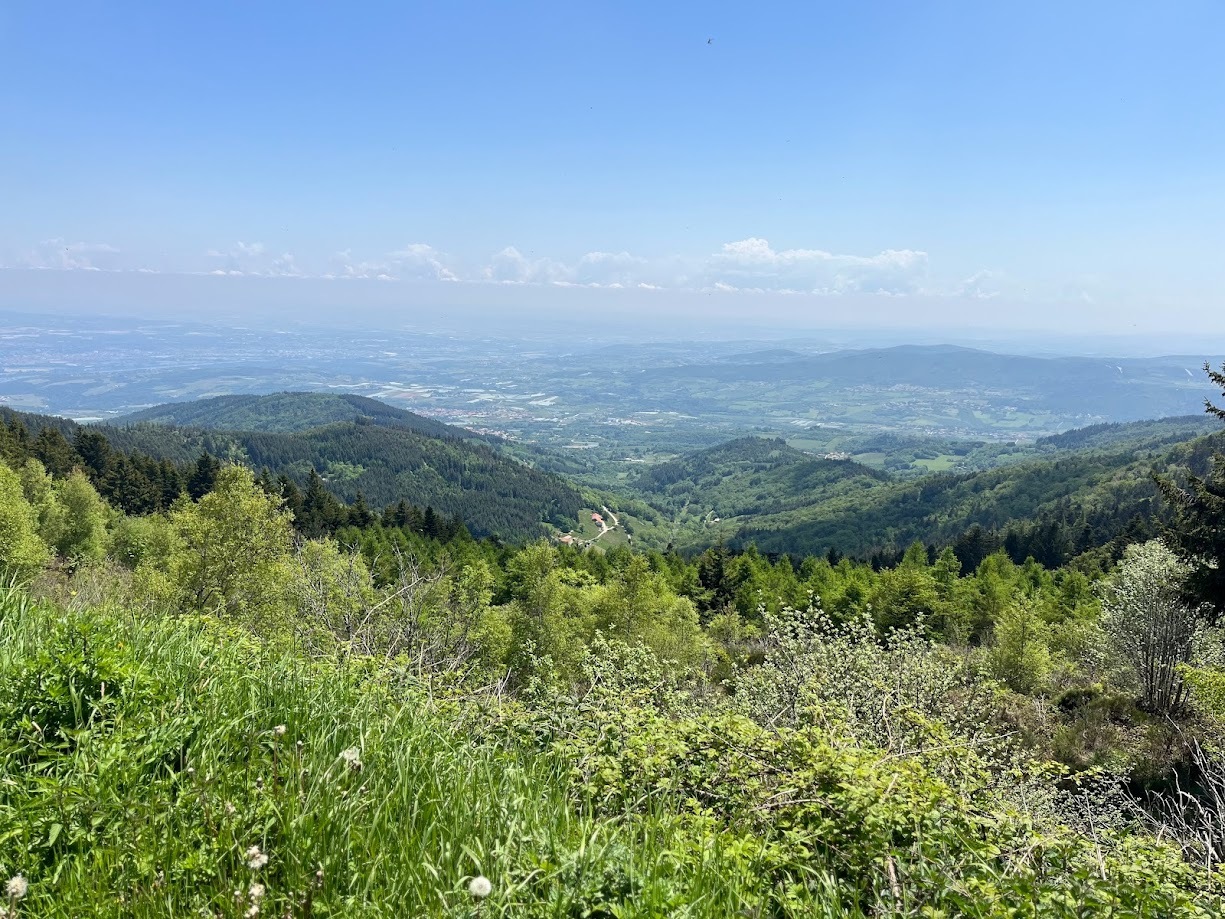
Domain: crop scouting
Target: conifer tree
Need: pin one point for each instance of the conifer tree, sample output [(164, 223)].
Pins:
[(1198, 531)]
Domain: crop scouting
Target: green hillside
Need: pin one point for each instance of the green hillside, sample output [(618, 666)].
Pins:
[(492, 494), (286, 412), (749, 477), (1093, 496), (1089, 486)]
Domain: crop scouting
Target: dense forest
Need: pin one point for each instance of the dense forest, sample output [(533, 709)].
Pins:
[(359, 461), (257, 698)]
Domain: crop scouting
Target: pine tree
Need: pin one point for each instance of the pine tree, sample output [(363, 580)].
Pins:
[(54, 452), (95, 452), (204, 476), (1198, 531)]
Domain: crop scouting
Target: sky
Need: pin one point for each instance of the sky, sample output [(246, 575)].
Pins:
[(1037, 165)]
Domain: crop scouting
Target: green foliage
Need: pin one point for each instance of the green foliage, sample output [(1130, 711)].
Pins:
[(83, 533), (1053, 509), (235, 548), (734, 732), (22, 552), (818, 815), (170, 758), (1198, 532), (1020, 656), (454, 476)]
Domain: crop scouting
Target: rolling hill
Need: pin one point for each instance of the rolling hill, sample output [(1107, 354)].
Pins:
[(1089, 485), (377, 455), (286, 412)]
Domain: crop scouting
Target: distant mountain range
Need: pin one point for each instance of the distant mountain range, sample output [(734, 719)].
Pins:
[(1122, 389)]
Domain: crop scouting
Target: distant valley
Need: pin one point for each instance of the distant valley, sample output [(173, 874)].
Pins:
[(609, 405)]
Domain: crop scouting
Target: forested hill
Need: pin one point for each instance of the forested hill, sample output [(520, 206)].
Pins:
[(286, 412), (752, 476), (1053, 509), (1078, 492), (491, 494)]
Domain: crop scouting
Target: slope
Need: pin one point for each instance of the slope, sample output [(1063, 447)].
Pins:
[(1086, 487), (1090, 497), (285, 412), (493, 494)]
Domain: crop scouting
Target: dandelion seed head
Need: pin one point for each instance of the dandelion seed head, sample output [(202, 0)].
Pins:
[(256, 859), (480, 887), (252, 911), (230, 809), (279, 730), (352, 758), (17, 887), (256, 893)]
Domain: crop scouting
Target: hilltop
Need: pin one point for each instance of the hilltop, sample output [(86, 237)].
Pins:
[(286, 412)]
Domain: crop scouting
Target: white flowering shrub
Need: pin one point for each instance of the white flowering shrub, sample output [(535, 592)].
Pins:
[(1149, 626)]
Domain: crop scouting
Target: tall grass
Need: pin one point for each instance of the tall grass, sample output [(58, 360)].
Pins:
[(147, 766)]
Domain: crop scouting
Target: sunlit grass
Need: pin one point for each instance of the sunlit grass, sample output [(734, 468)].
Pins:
[(150, 768)]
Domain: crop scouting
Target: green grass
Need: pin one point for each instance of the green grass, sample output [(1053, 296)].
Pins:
[(942, 463), (142, 760), (148, 766)]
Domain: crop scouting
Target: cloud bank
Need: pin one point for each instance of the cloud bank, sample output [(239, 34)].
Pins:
[(750, 264)]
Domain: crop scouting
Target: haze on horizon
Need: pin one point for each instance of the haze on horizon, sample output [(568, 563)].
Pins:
[(1039, 167)]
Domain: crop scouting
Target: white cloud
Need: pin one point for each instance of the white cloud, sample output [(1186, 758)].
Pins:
[(746, 265), (982, 285), (254, 259), (753, 264), (422, 262), (64, 256), (510, 266)]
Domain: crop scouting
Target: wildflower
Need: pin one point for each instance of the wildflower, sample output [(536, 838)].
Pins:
[(230, 809), (252, 911), (256, 859), (480, 887), (17, 887), (279, 730), (256, 893), (352, 758)]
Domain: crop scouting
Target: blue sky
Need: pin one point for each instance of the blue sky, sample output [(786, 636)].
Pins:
[(1061, 160)]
